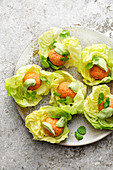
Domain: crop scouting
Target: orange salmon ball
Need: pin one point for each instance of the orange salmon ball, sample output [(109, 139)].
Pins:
[(111, 103), (54, 57), (97, 73), (57, 130), (36, 77), (101, 104), (65, 91)]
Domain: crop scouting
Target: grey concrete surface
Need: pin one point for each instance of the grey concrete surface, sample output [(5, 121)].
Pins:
[(20, 22)]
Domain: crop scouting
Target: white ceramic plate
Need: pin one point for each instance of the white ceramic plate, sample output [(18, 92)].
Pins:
[(86, 37)]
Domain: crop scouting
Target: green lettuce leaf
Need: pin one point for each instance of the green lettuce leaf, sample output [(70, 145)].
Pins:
[(30, 98), (105, 113), (34, 123), (97, 118), (56, 35), (87, 55), (72, 106)]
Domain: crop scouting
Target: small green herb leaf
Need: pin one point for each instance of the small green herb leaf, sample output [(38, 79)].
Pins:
[(57, 94), (33, 95), (101, 98), (74, 86), (44, 79), (28, 95), (64, 59), (64, 34), (106, 104), (78, 136), (68, 100), (109, 74), (62, 100), (81, 130), (88, 66), (95, 58)]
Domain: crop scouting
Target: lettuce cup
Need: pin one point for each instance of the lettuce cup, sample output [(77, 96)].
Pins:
[(29, 85), (96, 64), (48, 124), (67, 93), (98, 108), (58, 49)]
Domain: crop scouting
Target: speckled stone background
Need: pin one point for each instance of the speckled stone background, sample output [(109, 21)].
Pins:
[(20, 22)]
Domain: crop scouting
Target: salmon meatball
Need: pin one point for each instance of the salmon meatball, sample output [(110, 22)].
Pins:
[(111, 103), (57, 130), (101, 104), (36, 77), (97, 73), (65, 91), (54, 57)]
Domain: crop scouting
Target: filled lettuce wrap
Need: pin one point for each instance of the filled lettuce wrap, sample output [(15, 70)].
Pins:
[(28, 85), (67, 93), (48, 124), (98, 107), (96, 64), (58, 49)]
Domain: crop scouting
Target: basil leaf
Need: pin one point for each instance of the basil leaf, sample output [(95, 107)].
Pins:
[(95, 58), (109, 74), (64, 59), (28, 95), (57, 94), (106, 104), (66, 100), (62, 100), (33, 95), (101, 98), (64, 34), (44, 79), (78, 136), (81, 130), (65, 53), (75, 86), (88, 66)]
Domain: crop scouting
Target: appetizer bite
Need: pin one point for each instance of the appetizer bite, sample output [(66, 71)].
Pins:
[(98, 108), (96, 64), (58, 49), (29, 85), (48, 124), (67, 92)]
